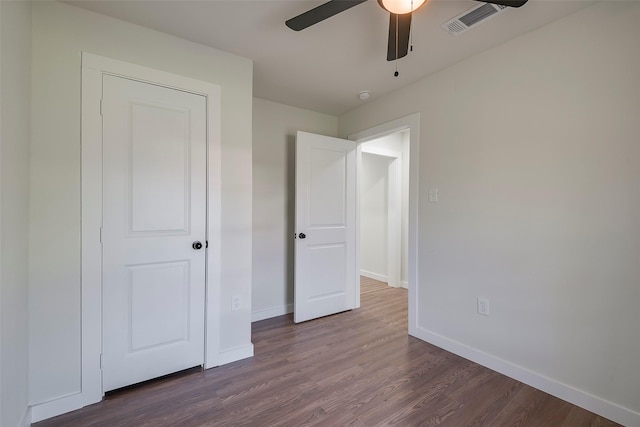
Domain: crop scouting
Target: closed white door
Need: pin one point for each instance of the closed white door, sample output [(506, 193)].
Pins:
[(326, 281), (154, 154)]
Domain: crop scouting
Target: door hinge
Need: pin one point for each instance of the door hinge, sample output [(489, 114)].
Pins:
[(100, 234), (100, 360), (100, 106)]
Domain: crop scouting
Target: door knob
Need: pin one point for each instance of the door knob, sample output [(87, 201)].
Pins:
[(196, 245), (302, 235)]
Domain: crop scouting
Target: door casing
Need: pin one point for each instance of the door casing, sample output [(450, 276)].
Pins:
[(93, 68)]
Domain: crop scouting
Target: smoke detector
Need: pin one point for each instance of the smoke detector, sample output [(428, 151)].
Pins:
[(364, 95)]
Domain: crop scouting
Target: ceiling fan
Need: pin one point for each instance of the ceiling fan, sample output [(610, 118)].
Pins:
[(399, 19)]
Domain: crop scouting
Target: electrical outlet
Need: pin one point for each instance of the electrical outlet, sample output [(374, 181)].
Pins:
[(483, 306), (235, 303)]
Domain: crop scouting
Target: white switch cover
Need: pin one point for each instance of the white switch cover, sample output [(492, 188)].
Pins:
[(235, 303), (433, 195)]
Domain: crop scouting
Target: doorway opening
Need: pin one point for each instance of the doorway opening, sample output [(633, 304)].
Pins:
[(327, 265), (384, 197), (407, 130)]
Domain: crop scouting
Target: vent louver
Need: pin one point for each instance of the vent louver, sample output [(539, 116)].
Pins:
[(471, 17)]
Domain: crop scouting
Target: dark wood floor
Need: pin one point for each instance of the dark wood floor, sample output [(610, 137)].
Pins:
[(358, 368)]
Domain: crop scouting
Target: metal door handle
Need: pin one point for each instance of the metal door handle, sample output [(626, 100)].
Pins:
[(197, 245)]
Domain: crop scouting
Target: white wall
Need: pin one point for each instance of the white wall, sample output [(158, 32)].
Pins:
[(374, 201), (274, 131), (60, 33), (15, 64), (538, 178)]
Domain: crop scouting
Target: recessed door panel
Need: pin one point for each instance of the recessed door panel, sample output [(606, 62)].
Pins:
[(327, 179), (327, 271), (160, 146), (158, 304)]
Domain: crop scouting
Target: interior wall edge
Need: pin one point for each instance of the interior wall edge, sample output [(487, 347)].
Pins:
[(26, 418)]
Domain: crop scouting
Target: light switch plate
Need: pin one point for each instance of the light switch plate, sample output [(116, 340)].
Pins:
[(483, 306), (433, 195)]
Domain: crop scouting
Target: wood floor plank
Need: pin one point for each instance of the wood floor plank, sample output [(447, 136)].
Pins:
[(358, 368)]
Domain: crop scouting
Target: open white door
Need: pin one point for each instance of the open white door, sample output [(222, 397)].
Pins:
[(326, 279)]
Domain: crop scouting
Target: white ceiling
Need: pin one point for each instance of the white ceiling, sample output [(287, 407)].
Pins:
[(323, 67)]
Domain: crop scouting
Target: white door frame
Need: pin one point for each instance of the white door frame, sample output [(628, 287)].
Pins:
[(93, 68), (412, 123), (394, 210)]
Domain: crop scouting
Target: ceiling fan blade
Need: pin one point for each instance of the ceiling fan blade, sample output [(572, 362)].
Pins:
[(398, 45), (510, 3), (320, 13)]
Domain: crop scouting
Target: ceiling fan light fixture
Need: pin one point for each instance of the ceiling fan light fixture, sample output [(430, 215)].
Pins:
[(401, 7)]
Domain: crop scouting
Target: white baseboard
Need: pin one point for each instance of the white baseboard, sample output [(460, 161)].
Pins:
[(374, 276), (55, 407), (26, 418), (235, 354), (268, 313), (610, 410), (404, 284), (62, 405)]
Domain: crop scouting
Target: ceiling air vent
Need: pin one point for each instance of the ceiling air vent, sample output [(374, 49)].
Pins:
[(471, 17)]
